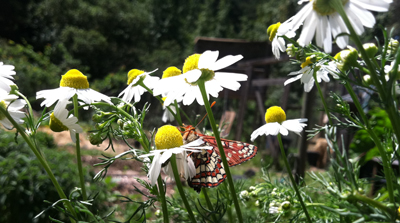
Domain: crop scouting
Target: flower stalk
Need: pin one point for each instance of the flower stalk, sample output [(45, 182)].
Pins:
[(289, 170), (220, 148), (78, 151), (163, 201), (180, 188)]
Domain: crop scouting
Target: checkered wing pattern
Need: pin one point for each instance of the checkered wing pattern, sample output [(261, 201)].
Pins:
[(236, 152), (209, 170)]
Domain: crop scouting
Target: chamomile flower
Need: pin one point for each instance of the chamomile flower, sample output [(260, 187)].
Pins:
[(275, 32), (307, 70), (135, 77), (169, 141), (13, 109), (6, 72), (73, 82), (200, 67), (276, 121), (59, 120), (319, 18)]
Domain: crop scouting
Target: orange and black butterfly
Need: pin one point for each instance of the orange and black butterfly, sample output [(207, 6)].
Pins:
[(209, 168)]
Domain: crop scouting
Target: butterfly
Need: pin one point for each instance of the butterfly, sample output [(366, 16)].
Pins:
[(210, 171)]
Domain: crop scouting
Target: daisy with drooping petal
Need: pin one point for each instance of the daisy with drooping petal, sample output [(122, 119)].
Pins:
[(135, 78), (319, 18), (73, 82), (59, 120), (13, 109), (276, 121), (169, 141), (275, 32), (200, 67), (307, 70), (6, 72)]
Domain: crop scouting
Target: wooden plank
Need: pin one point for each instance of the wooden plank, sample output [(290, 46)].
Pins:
[(243, 103)]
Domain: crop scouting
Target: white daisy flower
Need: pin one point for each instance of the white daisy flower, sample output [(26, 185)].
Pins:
[(6, 72), (276, 121), (135, 78), (13, 107), (200, 66), (59, 120), (319, 18), (307, 70), (275, 32), (73, 82), (169, 141)]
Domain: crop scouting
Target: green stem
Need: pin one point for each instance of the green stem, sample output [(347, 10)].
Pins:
[(292, 179), (209, 204), (386, 99), (377, 141), (180, 188), (221, 149), (322, 97), (78, 151), (163, 201), (373, 203), (42, 161)]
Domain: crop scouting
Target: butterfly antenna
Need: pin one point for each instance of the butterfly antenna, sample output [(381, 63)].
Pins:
[(205, 114)]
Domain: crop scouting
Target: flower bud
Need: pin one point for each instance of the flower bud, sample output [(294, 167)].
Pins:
[(252, 188), (371, 49), (392, 47), (98, 117), (347, 58), (95, 139), (291, 50), (244, 195), (285, 205), (157, 213), (257, 203)]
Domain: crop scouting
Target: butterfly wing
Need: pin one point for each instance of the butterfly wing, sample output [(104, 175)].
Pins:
[(209, 169), (236, 152)]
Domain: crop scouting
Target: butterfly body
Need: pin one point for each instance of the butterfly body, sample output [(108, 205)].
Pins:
[(210, 170)]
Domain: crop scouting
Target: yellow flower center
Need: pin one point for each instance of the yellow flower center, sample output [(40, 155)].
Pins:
[(74, 79), (3, 105), (168, 137), (307, 62), (191, 63), (275, 114), (56, 125), (272, 30), (323, 7), (132, 74), (171, 72)]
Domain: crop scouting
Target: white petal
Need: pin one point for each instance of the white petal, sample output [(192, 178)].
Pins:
[(207, 59), (290, 80), (366, 17), (193, 75), (283, 130), (373, 5), (225, 62), (309, 28), (166, 155)]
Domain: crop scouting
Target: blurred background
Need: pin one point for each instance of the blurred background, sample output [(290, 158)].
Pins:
[(105, 39)]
